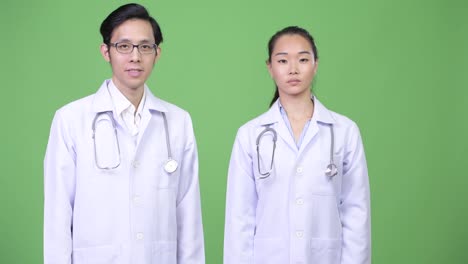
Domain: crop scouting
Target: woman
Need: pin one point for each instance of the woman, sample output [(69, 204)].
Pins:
[(298, 189)]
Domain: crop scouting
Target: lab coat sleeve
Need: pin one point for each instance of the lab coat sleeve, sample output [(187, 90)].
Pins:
[(59, 186), (241, 204), (355, 203), (190, 242)]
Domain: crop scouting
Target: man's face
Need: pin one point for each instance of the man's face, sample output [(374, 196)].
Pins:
[(130, 71)]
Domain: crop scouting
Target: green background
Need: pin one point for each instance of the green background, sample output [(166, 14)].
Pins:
[(398, 68)]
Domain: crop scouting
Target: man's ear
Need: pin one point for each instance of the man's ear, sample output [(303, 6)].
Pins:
[(105, 52), (158, 54)]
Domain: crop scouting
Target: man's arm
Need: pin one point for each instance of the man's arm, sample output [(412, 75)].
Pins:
[(59, 192), (190, 241)]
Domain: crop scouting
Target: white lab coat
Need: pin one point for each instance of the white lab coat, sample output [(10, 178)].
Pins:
[(298, 214), (136, 213)]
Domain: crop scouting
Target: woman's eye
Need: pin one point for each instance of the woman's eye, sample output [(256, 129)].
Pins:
[(282, 61), (304, 60)]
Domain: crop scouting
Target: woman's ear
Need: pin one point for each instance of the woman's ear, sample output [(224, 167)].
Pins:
[(268, 64), (316, 66)]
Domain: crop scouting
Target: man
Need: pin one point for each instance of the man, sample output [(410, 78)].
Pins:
[(121, 167)]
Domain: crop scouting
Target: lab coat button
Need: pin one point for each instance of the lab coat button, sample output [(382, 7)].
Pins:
[(299, 170), (136, 164), (299, 234), (136, 199), (139, 236), (299, 201)]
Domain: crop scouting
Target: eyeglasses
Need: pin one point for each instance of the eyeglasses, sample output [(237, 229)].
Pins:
[(126, 47)]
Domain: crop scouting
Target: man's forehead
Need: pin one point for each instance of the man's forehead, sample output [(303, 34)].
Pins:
[(134, 30)]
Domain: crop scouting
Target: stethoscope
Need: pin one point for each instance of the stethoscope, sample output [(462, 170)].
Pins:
[(170, 166), (330, 171)]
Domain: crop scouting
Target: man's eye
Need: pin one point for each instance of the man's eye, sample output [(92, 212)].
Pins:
[(123, 46), (146, 47)]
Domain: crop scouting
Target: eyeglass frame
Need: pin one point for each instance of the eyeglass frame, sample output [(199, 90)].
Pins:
[(155, 46)]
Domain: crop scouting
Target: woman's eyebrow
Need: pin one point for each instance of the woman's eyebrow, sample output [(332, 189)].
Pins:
[(281, 53), (300, 52)]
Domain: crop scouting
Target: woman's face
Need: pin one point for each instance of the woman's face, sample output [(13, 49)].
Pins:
[(292, 65)]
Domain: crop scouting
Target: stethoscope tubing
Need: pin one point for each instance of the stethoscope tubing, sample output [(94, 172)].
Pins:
[(170, 165), (116, 138), (330, 171)]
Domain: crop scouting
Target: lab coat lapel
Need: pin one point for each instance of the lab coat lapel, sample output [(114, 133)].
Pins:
[(273, 117), (310, 134), (321, 115), (152, 103), (102, 102)]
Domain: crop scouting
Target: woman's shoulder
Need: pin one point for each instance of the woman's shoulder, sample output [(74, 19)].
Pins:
[(336, 118), (261, 120)]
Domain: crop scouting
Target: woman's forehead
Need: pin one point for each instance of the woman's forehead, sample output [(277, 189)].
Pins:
[(292, 44)]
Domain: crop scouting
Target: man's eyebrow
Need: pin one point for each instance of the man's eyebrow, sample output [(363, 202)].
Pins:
[(128, 40), (123, 40)]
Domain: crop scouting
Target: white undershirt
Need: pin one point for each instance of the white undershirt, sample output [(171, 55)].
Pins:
[(125, 109)]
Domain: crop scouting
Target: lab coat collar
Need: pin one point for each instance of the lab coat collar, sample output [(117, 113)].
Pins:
[(103, 102), (121, 103), (153, 103), (321, 113)]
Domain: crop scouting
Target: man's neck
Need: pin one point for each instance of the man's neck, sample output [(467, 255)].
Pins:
[(133, 95)]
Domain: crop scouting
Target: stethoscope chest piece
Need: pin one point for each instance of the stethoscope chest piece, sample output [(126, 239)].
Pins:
[(331, 170), (171, 166)]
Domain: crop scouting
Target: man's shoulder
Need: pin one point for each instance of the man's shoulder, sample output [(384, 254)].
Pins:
[(172, 109), (79, 105)]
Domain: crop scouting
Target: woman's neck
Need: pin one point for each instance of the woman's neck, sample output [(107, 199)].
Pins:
[(297, 107), (299, 110)]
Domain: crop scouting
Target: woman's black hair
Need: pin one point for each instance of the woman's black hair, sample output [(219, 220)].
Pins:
[(124, 13), (292, 30)]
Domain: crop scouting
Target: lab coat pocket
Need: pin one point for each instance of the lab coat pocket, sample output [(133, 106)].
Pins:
[(338, 161), (338, 178), (167, 179), (270, 250), (326, 184), (325, 251), (96, 255), (164, 252), (323, 209)]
